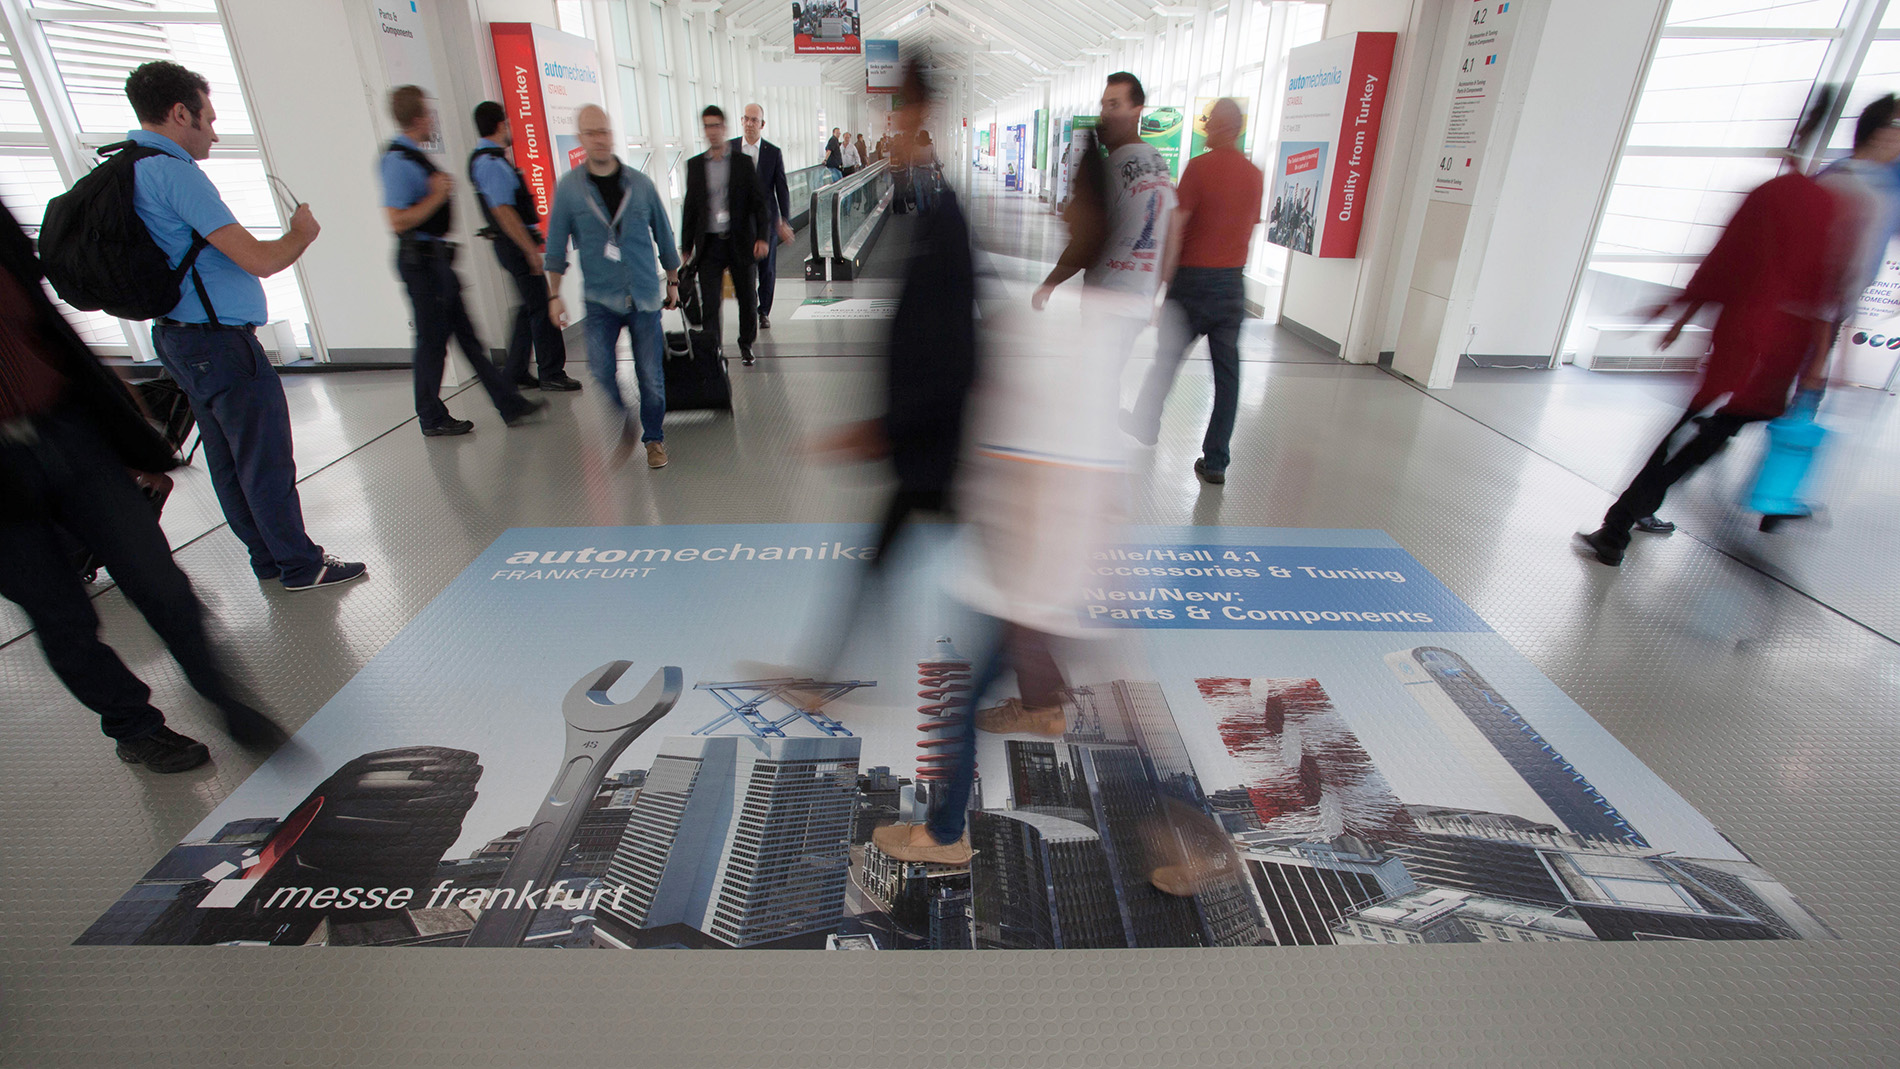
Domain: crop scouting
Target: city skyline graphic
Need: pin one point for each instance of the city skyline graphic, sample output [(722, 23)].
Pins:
[(1196, 789)]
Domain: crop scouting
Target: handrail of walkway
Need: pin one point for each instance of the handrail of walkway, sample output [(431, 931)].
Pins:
[(844, 218)]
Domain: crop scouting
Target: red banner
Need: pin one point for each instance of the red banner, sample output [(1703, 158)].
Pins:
[(527, 114), (1358, 143), (1302, 161)]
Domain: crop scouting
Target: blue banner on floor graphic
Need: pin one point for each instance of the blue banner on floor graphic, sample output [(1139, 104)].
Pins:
[(602, 738)]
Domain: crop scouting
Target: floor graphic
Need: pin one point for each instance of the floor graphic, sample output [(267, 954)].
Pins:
[(596, 738)]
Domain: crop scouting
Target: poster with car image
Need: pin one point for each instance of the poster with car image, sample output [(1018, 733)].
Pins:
[(1263, 738), (1164, 127)]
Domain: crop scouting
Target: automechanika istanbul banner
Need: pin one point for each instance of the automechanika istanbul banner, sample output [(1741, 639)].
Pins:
[(546, 77), (591, 739), (1329, 136)]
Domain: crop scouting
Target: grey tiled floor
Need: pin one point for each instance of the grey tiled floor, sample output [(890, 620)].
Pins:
[(1771, 711)]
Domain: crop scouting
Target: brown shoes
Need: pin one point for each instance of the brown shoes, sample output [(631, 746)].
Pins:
[(656, 454), (1014, 718), (912, 843)]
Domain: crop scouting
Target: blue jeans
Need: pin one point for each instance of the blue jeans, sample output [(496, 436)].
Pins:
[(1201, 300), (244, 422), (603, 326)]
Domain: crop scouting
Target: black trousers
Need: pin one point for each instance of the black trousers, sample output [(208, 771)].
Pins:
[(1665, 468), (70, 477), (533, 329), (717, 256), (768, 272), (435, 297)]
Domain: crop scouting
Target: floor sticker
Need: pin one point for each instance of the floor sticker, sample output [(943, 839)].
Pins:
[(616, 738)]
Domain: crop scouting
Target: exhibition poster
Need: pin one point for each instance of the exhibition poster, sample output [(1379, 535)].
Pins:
[(1489, 30), (826, 28), (1163, 127), (882, 71), (1329, 136), (1203, 105), (597, 738), (1013, 158), (547, 77), (402, 43)]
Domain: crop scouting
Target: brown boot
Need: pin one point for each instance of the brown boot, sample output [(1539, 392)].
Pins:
[(913, 843), (1014, 718)]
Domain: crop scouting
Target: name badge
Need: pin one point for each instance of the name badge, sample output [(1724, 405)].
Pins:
[(613, 252)]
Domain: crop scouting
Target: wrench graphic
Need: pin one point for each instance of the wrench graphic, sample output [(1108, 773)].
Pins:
[(597, 732)]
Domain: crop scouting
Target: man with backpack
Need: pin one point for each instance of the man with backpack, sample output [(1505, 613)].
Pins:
[(508, 206), (208, 338), (69, 432), (416, 197)]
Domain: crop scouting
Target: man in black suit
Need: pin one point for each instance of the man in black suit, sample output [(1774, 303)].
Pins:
[(723, 228), (770, 163)]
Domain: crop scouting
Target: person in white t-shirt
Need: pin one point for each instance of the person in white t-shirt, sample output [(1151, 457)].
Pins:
[(849, 150), (1122, 272)]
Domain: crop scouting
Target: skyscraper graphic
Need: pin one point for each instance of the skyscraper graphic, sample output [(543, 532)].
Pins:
[(1120, 773), (737, 840), (1308, 775), (1534, 779)]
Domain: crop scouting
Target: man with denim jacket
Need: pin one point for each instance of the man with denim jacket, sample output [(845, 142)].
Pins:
[(618, 225)]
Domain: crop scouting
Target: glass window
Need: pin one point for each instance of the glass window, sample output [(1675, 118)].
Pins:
[(16, 110), (688, 45), (94, 58), (27, 182), (1726, 93), (631, 114), (572, 17), (1770, 14), (660, 53)]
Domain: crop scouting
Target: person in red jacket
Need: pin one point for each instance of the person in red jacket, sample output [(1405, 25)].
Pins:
[(1779, 274)]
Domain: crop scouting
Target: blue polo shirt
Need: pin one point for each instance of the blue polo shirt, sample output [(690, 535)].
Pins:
[(495, 179), (174, 197), (404, 182)]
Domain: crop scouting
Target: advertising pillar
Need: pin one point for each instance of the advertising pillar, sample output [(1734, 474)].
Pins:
[(547, 77), (1329, 135)]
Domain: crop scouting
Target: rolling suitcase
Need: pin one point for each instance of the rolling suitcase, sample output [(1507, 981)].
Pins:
[(695, 372)]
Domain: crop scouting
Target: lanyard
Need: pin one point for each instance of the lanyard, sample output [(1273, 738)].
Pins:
[(613, 225)]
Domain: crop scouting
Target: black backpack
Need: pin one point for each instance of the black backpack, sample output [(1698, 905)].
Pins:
[(97, 252)]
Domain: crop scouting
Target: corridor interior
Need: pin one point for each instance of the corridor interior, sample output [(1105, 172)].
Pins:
[(1756, 674)]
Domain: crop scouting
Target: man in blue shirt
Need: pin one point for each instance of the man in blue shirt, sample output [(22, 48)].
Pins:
[(508, 206), (243, 418), (416, 195), (618, 225)]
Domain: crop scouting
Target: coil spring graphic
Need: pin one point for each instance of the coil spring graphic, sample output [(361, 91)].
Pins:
[(941, 683)]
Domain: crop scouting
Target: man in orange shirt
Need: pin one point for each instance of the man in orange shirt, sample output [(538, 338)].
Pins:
[(1218, 207)]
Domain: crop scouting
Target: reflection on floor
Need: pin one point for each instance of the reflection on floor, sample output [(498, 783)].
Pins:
[(1769, 708)]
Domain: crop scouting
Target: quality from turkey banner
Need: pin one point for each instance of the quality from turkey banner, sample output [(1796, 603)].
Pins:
[(547, 77), (1329, 134)]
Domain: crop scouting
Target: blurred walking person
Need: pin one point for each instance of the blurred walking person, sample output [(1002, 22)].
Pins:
[(1121, 270), (1209, 232), (1040, 495), (69, 434), (930, 366), (514, 227), (1779, 273)]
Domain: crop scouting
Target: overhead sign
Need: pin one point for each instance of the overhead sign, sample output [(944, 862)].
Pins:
[(1329, 136), (402, 42), (826, 28), (883, 73), (1490, 28), (1315, 736), (547, 77)]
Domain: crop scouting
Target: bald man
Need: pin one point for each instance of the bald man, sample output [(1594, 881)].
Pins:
[(1209, 233), (618, 226), (770, 163)]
